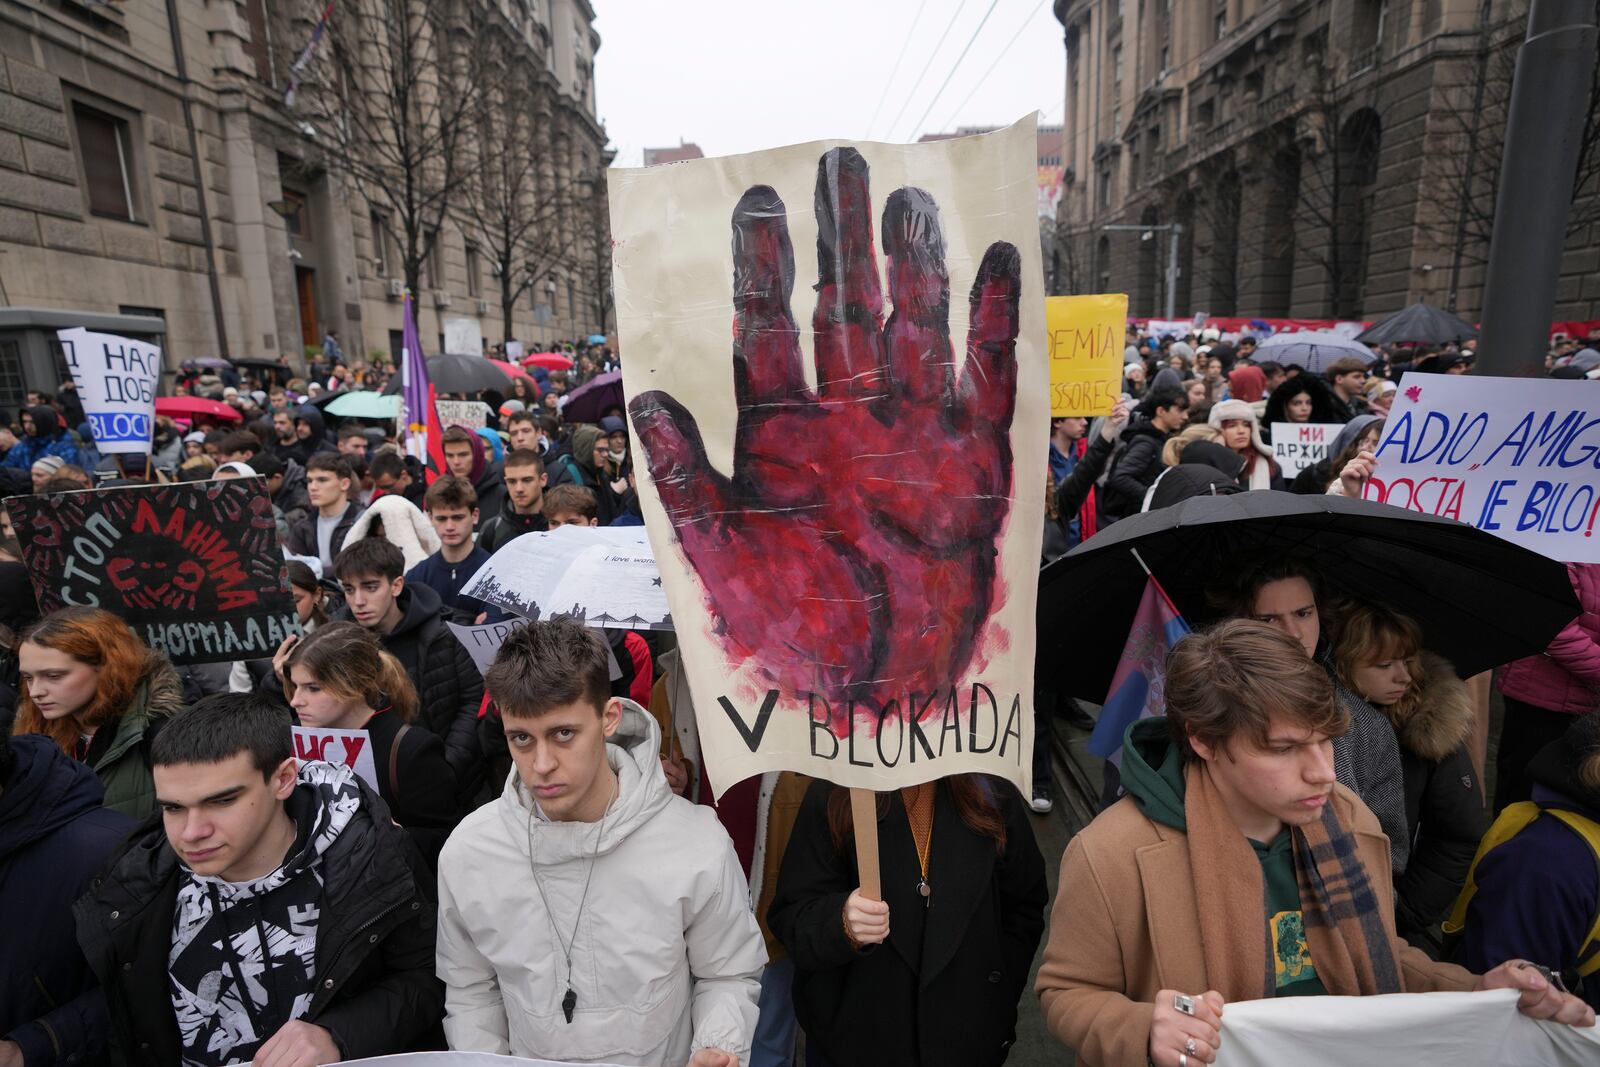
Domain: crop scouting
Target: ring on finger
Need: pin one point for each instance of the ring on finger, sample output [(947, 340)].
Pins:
[(1183, 1060), (1183, 1004), (1189, 1046)]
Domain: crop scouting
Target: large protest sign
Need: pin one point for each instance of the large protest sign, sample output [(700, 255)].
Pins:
[(1086, 340), (1298, 445), (348, 748), (601, 576), (194, 568), (116, 379), (847, 516), (1517, 457)]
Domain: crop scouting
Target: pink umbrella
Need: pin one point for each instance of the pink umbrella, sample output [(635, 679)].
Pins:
[(192, 406), (548, 360)]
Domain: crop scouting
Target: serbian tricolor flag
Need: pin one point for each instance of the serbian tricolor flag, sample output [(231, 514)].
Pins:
[(423, 432), (1136, 689)]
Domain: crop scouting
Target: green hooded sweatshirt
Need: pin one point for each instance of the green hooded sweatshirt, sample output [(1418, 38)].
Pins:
[(1152, 773)]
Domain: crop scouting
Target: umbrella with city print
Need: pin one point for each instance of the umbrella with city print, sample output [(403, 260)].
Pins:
[(602, 576)]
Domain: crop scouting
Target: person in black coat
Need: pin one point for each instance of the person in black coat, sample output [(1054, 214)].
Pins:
[(930, 976), (1379, 656), (54, 836), (410, 622), (204, 893), (1139, 463), (339, 678), (328, 478)]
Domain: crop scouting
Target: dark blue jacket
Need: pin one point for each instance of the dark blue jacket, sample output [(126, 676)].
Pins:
[(447, 579), (54, 837), (1538, 893)]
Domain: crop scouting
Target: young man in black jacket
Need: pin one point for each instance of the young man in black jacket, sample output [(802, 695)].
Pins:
[(1137, 468), (409, 621), (275, 914), (321, 534), (524, 511)]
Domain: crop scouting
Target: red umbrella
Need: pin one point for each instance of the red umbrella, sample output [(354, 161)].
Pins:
[(188, 407), (548, 360), (517, 372)]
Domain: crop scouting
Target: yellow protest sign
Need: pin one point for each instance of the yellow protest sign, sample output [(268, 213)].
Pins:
[(1086, 343)]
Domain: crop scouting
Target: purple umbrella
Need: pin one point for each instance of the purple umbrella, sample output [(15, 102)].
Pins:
[(590, 401)]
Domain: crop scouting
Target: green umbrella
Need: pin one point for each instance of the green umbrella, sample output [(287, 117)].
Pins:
[(364, 404)]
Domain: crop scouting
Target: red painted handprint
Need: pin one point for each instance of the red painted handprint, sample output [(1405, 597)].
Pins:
[(852, 552)]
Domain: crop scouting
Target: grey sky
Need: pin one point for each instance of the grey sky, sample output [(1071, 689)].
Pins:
[(740, 75)]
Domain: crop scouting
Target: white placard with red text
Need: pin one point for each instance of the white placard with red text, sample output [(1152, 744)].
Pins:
[(348, 748)]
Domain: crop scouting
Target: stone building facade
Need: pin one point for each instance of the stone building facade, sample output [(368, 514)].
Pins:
[(149, 166), (1323, 158)]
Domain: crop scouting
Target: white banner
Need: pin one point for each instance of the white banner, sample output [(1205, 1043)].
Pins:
[(1518, 457), (461, 1059), (1298, 445), (1399, 1030), (116, 379), (347, 748)]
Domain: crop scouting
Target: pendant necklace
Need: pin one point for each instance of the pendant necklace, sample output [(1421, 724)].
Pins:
[(569, 1003), (922, 841)]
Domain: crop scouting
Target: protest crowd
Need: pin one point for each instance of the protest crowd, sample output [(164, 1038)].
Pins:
[(535, 862)]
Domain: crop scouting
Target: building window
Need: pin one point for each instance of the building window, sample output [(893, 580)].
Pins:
[(1166, 59), (1221, 19), (295, 218), (433, 267), (1105, 187), (1116, 67), (380, 245), (106, 146), (572, 302), (472, 271)]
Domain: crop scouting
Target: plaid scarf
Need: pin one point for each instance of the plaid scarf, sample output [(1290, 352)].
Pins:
[(1345, 933)]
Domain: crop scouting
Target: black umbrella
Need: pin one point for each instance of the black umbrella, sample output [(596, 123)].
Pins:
[(1419, 324), (1479, 601), (459, 374)]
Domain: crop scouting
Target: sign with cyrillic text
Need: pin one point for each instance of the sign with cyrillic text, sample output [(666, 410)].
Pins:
[(483, 643), (1087, 338), (116, 379), (1298, 445), (347, 748), (1517, 457), (194, 568)]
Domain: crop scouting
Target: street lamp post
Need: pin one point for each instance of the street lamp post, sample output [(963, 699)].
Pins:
[(1174, 230)]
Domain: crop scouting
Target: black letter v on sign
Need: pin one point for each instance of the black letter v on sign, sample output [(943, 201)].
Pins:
[(752, 737)]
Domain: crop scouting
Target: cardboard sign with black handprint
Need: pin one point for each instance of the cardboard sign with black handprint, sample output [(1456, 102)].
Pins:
[(849, 539)]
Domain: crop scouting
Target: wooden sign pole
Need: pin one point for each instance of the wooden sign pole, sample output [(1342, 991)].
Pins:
[(864, 816)]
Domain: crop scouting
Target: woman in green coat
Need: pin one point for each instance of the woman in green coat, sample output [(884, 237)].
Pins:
[(89, 684)]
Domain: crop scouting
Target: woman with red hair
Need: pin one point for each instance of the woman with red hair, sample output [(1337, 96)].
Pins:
[(95, 689)]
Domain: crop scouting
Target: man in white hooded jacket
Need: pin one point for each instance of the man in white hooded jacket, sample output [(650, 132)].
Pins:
[(588, 914)]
